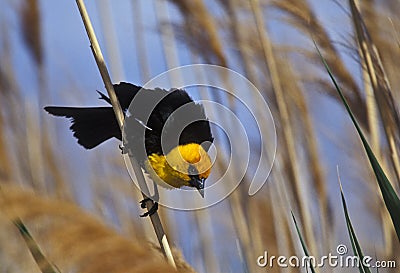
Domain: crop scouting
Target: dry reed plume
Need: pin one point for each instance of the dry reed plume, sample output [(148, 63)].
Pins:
[(72, 239)]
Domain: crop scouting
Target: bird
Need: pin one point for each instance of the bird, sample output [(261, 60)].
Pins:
[(179, 159)]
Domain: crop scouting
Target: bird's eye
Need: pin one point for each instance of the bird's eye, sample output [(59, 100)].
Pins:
[(192, 170)]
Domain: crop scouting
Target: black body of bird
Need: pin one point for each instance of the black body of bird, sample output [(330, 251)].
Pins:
[(173, 162)]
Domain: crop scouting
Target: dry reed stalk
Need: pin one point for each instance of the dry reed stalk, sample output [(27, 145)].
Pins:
[(372, 108), (43, 153), (34, 149), (257, 227), (11, 107), (373, 121), (63, 230), (294, 89), (31, 33), (49, 155), (384, 100), (31, 29), (236, 205), (53, 163), (116, 67), (140, 45), (123, 196), (168, 37), (127, 194), (204, 222), (244, 47), (143, 64), (5, 166), (237, 197), (170, 51), (379, 80), (380, 84), (279, 197), (111, 40), (155, 219), (260, 227), (382, 24), (168, 41), (211, 262), (287, 132), (372, 113)]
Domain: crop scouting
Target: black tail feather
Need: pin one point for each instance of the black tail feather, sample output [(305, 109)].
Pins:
[(91, 126)]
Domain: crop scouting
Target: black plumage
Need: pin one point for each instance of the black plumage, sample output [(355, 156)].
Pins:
[(150, 116)]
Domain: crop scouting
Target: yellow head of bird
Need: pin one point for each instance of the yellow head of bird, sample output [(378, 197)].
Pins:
[(185, 165)]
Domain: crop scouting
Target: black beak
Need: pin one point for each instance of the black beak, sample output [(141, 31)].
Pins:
[(198, 183), (201, 191)]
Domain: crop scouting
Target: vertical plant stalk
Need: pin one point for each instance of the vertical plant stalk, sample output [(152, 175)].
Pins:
[(41, 155), (260, 229), (381, 87), (279, 196), (244, 50), (311, 148), (6, 170), (141, 58), (140, 42), (117, 73), (236, 202), (111, 39), (384, 102), (287, 131), (372, 111), (31, 33), (373, 125), (155, 219), (167, 36), (5, 167), (17, 166)]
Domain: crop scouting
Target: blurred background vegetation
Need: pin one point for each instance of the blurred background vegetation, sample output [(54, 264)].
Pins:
[(81, 207)]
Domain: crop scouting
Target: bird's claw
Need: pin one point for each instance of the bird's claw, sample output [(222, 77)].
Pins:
[(151, 211), (123, 149)]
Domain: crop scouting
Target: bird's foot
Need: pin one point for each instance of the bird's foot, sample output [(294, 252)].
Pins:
[(152, 210), (123, 149)]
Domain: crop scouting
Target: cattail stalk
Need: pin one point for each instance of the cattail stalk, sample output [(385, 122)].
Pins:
[(155, 219)]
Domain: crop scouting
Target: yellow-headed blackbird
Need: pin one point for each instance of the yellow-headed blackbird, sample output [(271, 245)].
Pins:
[(174, 162)]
